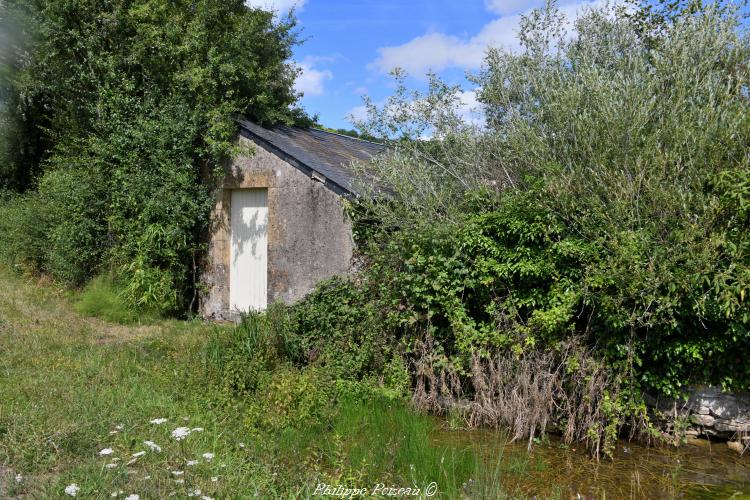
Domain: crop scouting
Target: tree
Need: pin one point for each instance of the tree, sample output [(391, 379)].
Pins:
[(141, 96), (630, 155)]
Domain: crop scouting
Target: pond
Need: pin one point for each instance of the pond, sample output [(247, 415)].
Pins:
[(699, 469)]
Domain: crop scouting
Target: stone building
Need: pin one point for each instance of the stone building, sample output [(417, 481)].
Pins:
[(279, 227)]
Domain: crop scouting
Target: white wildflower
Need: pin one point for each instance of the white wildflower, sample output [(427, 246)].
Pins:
[(204, 497), (197, 429), (214, 479), (113, 494), (208, 456), (190, 463), (154, 447), (72, 489), (106, 451), (177, 472), (139, 454), (179, 481), (181, 433), (158, 421), (132, 497), (146, 478), (242, 445), (119, 427), (19, 478), (112, 433), (111, 466)]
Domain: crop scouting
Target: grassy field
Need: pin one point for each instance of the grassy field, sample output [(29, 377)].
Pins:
[(97, 408), (93, 407)]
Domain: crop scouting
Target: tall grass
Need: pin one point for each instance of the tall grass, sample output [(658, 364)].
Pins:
[(102, 298), (385, 442), (396, 442)]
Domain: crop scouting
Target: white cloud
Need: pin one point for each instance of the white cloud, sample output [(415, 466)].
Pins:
[(503, 7), (438, 51), (311, 81), (470, 110), (281, 6), (357, 114)]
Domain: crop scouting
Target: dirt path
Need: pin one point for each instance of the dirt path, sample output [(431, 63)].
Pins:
[(40, 305)]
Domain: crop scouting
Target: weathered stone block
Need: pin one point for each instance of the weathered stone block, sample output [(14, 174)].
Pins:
[(703, 420), (731, 426)]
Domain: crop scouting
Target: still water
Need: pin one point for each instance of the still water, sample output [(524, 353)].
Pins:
[(698, 469)]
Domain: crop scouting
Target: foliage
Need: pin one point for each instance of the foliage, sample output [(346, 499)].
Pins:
[(340, 328), (283, 359), (23, 230), (72, 387), (300, 398), (509, 277), (242, 358), (138, 100), (653, 20), (604, 198), (58, 229)]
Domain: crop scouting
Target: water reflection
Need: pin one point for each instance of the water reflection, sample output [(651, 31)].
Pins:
[(698, 469)]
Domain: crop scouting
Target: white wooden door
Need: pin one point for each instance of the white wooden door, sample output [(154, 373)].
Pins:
[(248, 277)]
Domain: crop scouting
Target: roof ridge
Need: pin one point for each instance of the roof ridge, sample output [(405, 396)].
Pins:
[(312, 149), (347, 136)]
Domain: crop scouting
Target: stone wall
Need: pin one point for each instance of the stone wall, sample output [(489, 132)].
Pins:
[(309, 235), (708, 412)]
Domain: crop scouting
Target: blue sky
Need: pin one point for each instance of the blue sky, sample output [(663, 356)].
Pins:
[(350, 45)]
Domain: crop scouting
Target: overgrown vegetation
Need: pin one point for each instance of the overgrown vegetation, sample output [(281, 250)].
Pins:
[(117, 117), (73, 387), (603, 205), (588, 242), (95, 404)]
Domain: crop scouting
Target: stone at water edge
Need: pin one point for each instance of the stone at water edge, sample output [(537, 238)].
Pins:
[(736, 446)]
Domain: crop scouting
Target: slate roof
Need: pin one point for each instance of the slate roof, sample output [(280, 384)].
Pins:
[(314, 150)]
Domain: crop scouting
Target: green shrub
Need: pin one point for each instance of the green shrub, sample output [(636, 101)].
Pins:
[(59, 229), (509, 277), (340, 327), (291, 398)]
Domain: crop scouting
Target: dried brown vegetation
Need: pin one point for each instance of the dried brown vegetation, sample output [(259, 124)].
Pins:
[(567, 390)]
